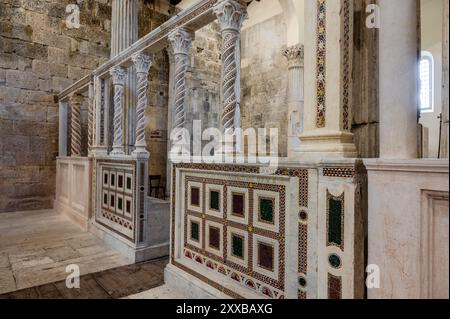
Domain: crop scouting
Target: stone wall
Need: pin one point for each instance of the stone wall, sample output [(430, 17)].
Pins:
[(265, 78), (39, 56)]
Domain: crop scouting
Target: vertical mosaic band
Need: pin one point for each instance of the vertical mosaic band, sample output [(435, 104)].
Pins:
[(346, 63), (321, 63)]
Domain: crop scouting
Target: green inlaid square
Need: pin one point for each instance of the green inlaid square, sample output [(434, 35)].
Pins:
[(237, 246), (214, 197), (335, 221), (195, 231), (266, 210)]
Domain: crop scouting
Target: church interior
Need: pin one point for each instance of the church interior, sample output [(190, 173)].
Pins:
[(328, 178)]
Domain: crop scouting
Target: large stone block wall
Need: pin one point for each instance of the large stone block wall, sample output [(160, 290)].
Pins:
[(265, 78), (40, 56)]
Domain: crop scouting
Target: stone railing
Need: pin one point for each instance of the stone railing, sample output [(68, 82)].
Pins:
[(298, 233)]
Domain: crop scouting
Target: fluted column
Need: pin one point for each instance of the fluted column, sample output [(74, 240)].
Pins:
[(230, 16), (398, 79), (142, 64), (75, 124), (295, 57), (180, 41), (124, 25), (118, 77)]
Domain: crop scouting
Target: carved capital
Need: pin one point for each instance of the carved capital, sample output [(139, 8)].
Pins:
[(180, 41), (295, 55), (142, 61), (118, 75), (230, 14), (76, 99)]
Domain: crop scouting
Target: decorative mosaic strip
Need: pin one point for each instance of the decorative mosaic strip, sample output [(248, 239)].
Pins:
[(303, 249), (334, 287), (102, 111), (303, 229), (344, 172), (243, 279), (346, 63), (250, 228), (321, 63), (335, 220)]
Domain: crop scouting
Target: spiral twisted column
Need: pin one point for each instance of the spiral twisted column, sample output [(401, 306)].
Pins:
[(180, 41), (75, 125), (230, 16), (142, 62), (118, 76)]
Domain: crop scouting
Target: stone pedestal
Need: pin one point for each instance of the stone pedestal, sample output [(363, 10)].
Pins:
[(408, 228)]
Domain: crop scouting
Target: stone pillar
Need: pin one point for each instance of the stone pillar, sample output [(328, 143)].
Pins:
[(398, 79), (142, 64), (75, 124), (124, 32), (180, 41), (91, 117), (63, 127), (445, 85), (170, 114), (328, 80), (124, 25), (118, 76), (230, 16), (295, 57)]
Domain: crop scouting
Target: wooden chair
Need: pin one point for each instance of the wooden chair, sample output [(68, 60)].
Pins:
[(155, 189)]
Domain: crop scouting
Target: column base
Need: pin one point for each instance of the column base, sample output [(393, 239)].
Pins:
[(325, 144)]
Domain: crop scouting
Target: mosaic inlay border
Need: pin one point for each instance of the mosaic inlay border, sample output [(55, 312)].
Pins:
[(321, 63), (346, 63)]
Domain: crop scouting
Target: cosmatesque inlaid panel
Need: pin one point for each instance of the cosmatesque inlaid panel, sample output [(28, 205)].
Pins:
[(115, 208)]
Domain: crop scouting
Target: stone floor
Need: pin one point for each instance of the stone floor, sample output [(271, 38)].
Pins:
[(120, 282), (36, 247), (161, 292)]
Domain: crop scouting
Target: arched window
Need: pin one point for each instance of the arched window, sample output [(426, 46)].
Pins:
[(426, 76)]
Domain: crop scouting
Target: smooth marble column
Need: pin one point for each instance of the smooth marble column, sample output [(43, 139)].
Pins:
[(75, 123), (118, 77), (63, 129), (295, 57), (398, 62), (91, 117), (142, 64), (445, 84), (328, 80)]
